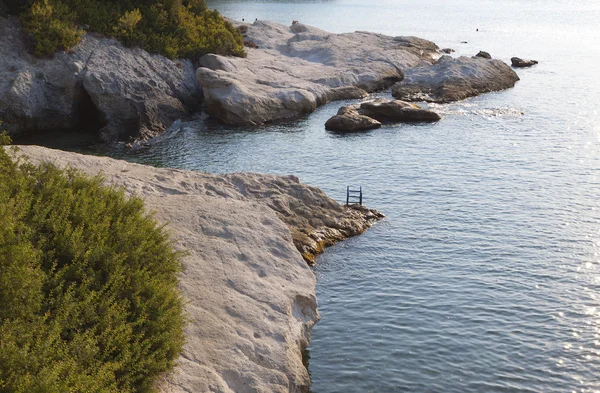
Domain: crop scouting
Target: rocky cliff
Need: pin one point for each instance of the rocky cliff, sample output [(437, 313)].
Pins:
[(250, 296), (99, 86)]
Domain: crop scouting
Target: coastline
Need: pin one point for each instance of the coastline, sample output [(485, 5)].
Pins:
[(128, 95), (251, 301)]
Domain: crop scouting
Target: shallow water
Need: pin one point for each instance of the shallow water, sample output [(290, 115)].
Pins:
[(485, 276)]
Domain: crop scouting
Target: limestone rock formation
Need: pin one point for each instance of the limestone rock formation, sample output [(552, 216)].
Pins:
[(99, 85), (518, 62), (250, 296), (295, 69), (451, 79)]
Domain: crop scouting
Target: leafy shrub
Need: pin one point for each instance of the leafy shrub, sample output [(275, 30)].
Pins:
[(174, 28), (52, 27), (88, 289), (4, 138)]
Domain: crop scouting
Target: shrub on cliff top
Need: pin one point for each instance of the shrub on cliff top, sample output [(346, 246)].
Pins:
[(174, 28), (88, 289)]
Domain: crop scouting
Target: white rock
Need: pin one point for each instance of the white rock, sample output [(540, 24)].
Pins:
[(297, 68), (451, 79)]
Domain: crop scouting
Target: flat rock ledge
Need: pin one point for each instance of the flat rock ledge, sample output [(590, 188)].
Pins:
[(250, 295), (453, 79), (291, 70), (371, 114), (98, 86)]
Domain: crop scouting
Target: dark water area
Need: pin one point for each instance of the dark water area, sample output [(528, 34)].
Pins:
[(485, 275)]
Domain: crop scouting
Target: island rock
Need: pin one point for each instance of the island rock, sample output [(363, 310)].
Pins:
[(483, 54), (451, 79), (371, 114), (98, 86), (351, 121), (297, 68), (250, 297), (519, 63), (394, 111)]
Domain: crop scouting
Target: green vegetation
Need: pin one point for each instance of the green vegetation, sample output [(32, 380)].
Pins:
[(88, 289), (174, 28)]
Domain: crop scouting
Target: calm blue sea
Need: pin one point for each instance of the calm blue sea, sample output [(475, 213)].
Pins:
[(485, 276)]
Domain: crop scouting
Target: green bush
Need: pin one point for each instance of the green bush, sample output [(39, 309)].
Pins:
[(52, 27), (174, 28), (88, 290)]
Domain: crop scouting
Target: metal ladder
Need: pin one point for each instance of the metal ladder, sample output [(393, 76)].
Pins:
[(354, 196)]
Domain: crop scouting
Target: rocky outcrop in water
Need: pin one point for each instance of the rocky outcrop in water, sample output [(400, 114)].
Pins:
[(350, 121), (451, 79), (297, 68), (371, 114), (483, 54), (250, 297), (396, 111), (520, 63), (98, 86)]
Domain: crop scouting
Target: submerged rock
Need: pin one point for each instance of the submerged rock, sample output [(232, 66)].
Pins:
[(298, 68), (250, 297), (451, 79), (98, 86), (518, 62)]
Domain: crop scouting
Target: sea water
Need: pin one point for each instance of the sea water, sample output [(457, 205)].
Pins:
[(485, 275)]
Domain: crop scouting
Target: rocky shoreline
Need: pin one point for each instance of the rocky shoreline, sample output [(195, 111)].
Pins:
[(291, 70), (251, 300), (249, 237), (125, 94)]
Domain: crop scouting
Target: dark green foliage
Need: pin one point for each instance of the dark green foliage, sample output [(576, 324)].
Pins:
[(4, 138), (15, 6), (52, 27), (88, 288), (174, 28)]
